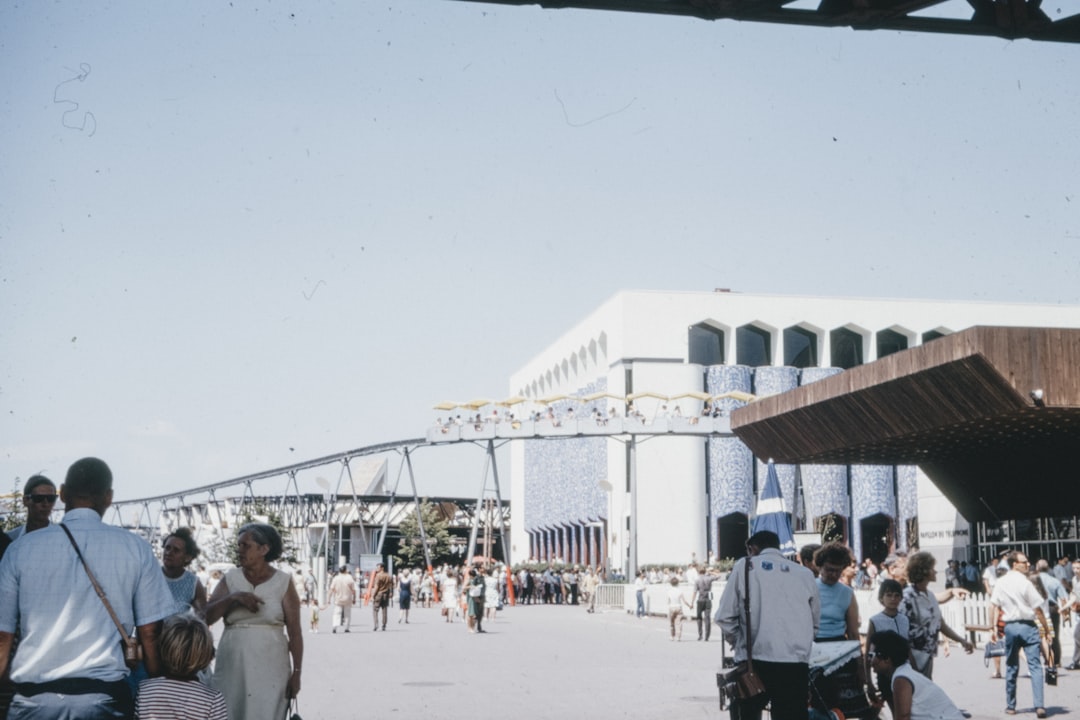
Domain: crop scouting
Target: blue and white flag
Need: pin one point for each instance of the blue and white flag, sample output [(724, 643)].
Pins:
[(771, 514)]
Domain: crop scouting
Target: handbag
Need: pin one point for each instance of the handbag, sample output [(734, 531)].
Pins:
[(742, 683), (920, 659), (994, 649), (292, 710), (476, 591), (133, 651)]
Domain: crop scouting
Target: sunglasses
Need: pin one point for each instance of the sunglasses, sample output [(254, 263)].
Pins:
[(42, 498)]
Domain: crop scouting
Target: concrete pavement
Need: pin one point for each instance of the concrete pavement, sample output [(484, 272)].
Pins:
[(561, 662)]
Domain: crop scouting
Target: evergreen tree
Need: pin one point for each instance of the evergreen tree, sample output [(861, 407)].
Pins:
[(12, 509), (437, 529), (258, 512)]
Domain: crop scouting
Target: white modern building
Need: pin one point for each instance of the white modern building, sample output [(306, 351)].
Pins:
[(695, 495)]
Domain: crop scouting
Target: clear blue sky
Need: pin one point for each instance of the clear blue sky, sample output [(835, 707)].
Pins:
[(255, 233)]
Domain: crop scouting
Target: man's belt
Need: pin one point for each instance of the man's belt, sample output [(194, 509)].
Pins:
[(74, 686), (1022, 622)]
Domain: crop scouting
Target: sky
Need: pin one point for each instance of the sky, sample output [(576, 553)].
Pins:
[(235, 236)]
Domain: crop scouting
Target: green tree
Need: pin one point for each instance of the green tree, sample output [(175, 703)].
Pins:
[(258, 512), (11, 508), (436, 527)]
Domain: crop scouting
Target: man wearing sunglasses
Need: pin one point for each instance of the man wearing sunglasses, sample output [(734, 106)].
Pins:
[(70, 663), (39, 499)]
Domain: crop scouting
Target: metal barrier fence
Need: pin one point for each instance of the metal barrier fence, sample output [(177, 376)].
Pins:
[(611, 596)]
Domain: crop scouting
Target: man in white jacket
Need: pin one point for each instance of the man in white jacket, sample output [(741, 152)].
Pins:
[(785, 611)]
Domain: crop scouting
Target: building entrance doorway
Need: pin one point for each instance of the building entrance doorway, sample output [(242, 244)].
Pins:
[(877, 537), (732, 532)]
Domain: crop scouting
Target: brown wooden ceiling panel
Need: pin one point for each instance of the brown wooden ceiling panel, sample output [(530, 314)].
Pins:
[(960, 407)]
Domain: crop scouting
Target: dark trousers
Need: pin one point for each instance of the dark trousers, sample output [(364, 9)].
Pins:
[(1055, 646), (786, 688), (704, 617)]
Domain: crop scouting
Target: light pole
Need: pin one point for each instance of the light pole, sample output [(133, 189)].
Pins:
[(320, 577)]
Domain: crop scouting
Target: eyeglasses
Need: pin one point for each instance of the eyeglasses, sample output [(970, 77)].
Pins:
[(42, 498)]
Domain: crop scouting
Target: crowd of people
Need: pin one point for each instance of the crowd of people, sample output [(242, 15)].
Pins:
[(93, 626), (593, 412), (774, 609), (136, 638)]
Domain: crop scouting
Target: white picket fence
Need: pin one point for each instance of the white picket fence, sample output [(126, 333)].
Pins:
[(970, 617)]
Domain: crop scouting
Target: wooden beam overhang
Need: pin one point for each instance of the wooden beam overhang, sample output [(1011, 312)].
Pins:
[(962, 407)]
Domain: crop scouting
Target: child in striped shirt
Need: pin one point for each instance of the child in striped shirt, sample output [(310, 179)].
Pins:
[(185, 647)]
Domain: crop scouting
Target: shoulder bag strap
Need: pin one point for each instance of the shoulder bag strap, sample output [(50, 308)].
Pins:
[(97, 588), (746, 602)]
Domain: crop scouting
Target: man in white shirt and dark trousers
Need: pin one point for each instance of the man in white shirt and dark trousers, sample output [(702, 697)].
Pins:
[(785, 611), (1021, 606)]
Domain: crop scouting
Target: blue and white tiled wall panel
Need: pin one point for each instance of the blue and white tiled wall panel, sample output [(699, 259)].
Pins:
[(907, 495), (773, 381), (731, 477), (824, 486), (824, 490), (562, 479), (720, 379), (813, 374), (871, 493)]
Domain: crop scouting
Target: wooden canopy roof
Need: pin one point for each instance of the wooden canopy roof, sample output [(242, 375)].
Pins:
[(964, 407)]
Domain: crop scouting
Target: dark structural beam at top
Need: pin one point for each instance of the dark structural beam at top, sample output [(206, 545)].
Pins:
[(1009, 19)]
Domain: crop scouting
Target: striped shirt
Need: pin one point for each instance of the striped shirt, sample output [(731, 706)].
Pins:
[(168, 699)]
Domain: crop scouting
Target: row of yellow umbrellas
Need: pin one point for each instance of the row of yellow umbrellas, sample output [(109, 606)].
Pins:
[(592, 397)]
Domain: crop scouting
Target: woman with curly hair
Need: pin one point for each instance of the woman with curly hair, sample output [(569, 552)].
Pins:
[(921, 607), (839, 609), (178, 550)]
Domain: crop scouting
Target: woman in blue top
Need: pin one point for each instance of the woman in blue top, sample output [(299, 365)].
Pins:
[(840, 621), (839, 610)]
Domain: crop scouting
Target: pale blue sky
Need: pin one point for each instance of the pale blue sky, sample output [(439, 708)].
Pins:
[(300, 225)]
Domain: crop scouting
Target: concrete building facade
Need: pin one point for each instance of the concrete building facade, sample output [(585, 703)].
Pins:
[(695, 495)]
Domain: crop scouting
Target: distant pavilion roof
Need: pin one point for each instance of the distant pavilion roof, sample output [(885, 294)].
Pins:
[(963, 407)]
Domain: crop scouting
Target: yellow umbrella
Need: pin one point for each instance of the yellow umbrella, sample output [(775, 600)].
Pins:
[(638, 395), (736, 395), (696, 394), (598, 395), (477, 404), (554, 399), (510, 402), (447, 405)]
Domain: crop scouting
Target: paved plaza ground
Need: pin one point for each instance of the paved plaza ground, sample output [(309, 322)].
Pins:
[(561, 662)]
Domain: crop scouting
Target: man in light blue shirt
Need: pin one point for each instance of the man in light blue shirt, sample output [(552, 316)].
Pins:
[(70, 662)]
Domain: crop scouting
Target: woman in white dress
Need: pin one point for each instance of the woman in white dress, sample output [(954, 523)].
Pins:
[(491, 594), (449, 590), (261, 609)]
